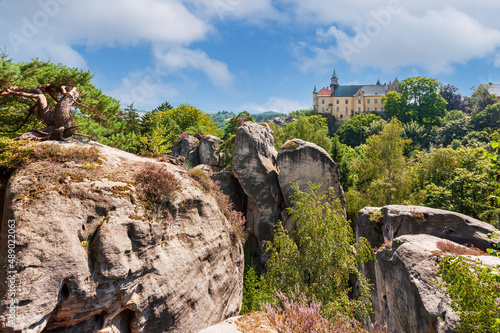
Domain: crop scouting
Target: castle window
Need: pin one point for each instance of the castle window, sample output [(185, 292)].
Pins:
[(359, 101), (376, 101), (346, 101), (322, 101), (338, 109), (368, 101), (359, 109), (323, 109), (368, 109), (338, 101), (382, 109), (346, 110), (375, 109)]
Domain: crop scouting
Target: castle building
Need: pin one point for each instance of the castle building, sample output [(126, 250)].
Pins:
[(343, 102)]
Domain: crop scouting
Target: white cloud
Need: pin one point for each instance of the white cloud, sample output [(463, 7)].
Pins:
[(277, 104), (434, 40), (178, 58), (145, 88)]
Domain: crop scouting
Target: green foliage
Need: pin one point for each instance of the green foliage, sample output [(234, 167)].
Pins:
[(319, 256), (264, 117), (475, 293), (382, 174), (236, 122), (454, 126), (300, 113), (356, 130), (49, 77), (313, 129), (418, 100), (482, 97), (487, 118), (162, 127), (458, 180), (252, 292), (220, 118)]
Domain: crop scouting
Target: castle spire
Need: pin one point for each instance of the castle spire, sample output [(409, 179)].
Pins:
[(334, 76), (314, 91)]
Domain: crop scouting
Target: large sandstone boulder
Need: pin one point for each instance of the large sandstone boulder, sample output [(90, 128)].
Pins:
[(255, 166), (302, 162), (187, 146), (92, 256), (207, 150), (392, 221), (406, 294)]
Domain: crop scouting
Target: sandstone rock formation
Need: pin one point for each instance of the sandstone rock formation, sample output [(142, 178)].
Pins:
[(255, 166), (395, 220), (302, 162), (207, 151), (406, 296), (91, 255), (199, 150), (188, 147)]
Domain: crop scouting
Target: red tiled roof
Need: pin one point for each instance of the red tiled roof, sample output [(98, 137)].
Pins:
[(325, 92)]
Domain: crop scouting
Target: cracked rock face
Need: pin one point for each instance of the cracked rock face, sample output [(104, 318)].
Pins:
[(255, 166), (92, 257), (404, 296)]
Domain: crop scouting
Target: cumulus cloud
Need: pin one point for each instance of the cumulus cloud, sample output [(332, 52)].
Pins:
[(277, 104), (145, 88), (178, 58), (434, 41)]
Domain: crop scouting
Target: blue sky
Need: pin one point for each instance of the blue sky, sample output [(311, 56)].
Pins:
[(256, 55)]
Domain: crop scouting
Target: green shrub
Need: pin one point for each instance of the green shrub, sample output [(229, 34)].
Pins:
[(474, 292), (319, 257)]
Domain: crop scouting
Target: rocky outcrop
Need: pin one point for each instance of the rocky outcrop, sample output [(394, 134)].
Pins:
[(207, 151), (406, 295), (187, 146), (255, 166), (393, 221), (302, 162), (93, 256), (199, 150)]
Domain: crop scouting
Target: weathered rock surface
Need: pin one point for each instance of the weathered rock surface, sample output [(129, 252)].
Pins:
[(255, 166), (403, 296), (135, 271), (187, 147), (207, 151), (398, 220), (406, 296), (302, 162)]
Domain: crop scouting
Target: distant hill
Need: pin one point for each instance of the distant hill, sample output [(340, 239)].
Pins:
[(221, 117)]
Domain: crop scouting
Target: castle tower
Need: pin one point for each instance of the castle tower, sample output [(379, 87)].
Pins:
[(315, 98), (334, 81)]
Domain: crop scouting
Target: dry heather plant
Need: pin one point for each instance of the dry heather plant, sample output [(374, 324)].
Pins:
[(457, 249), (235, 218), (156, 183), (299, 315)]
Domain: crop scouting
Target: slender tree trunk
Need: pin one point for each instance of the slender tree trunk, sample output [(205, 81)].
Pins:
[(43, 108)]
